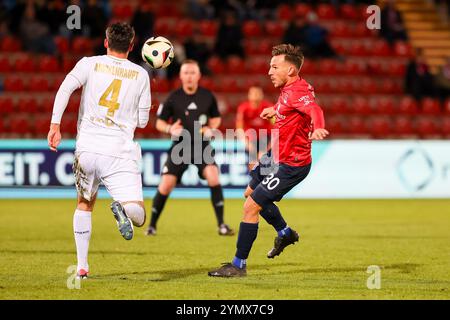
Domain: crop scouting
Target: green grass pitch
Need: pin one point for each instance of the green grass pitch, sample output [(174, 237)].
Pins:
[(408, 239)]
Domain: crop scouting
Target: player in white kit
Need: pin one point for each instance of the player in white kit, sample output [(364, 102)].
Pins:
[(115, 100)]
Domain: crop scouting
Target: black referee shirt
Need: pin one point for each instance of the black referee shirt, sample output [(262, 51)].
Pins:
[(200, 106)]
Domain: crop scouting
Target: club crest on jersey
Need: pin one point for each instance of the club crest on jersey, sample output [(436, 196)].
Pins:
[(284, 97), (279, 115)]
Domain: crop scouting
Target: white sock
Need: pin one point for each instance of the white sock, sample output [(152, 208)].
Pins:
[(136, 213), (82, 227)]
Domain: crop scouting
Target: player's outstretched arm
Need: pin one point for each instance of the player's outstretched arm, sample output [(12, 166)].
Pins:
[(268, 113), (319, 134), (54, 136)]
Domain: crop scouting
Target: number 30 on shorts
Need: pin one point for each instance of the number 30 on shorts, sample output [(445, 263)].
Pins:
[(271, 182)]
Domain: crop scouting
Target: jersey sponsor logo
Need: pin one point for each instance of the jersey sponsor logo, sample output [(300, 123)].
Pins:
[(192, 106), (305, 99)]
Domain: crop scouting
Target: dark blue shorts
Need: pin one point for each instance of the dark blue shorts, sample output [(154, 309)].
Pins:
[(271, 182)]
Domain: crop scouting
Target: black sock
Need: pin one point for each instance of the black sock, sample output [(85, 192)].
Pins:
[(217, 202), (272, 215), (246, 237), (158, 205)]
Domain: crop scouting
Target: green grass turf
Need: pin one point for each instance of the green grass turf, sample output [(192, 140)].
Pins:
[(408, 239)]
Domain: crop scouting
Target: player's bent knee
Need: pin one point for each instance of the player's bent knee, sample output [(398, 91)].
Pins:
[(251, 211), (135, 212)]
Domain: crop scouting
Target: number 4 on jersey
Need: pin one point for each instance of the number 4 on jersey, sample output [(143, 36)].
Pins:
[(113, 89)]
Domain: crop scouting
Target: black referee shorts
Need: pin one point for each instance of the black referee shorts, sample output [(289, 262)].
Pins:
[(170, 167), (271, 182)]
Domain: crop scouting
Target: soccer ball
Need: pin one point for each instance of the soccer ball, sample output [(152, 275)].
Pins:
[(157, 52)]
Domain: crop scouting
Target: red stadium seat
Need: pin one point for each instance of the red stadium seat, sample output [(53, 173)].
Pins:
[(251, 29), (403, 126), (341, 29), (357, 125), (24, 64), (301, 10), (162, 27), (389, 86), (10, 44), (208, 28), (236, 65), (6, 105), (228, 85), (361, 31), (274, 29), (447, 106), (62, 44), (185, 28), (403, 49), (5, 65), (408, 106), (74, 104), (345, 85), (427, 127), (82, 45), (14, 83), (160, 85), (216, 65), (322, 85), (335, 126), (384, 106), (353, 68), (208, 83), (338, 105), (357, 49), (167, 9), (380, 127), (446, 126), (46, 105), (68, 64), (397, 68), (19, 124), (308, 67), (57, 80), (361, 106), (2, 126), (328, 66), (349, 11), (258, 66), (41, 126), (284, 12), (326, 12), (430, 106), (27, 105), (381, 49), (122, 11), (49, 64), (367, 86), (38, 83), (265, 46)]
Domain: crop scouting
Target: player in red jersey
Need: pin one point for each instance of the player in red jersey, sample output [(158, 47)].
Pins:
[(298, 120), (254, 130)]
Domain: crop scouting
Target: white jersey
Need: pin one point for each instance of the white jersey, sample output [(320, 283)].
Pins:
[(114, 101)]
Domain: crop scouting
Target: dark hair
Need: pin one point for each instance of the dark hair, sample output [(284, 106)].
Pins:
[(120, 35), (291, 53), (191, 61)]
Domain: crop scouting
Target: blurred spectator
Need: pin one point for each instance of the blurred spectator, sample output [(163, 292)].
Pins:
[(419, 81), (392, 23), (229, 37), (295, 33), (34, 34), (173, 69), (200, 9), (54, 14), (316, 40), (443, 81), (198, 50), (247, 118), (143, 22), (93, 19)]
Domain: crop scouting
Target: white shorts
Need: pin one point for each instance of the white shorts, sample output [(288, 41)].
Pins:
[(121, 177)]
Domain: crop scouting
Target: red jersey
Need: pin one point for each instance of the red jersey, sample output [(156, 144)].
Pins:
[(251, 118), (297, 115)]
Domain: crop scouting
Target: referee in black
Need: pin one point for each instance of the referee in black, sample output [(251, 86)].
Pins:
[(193, 109)]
